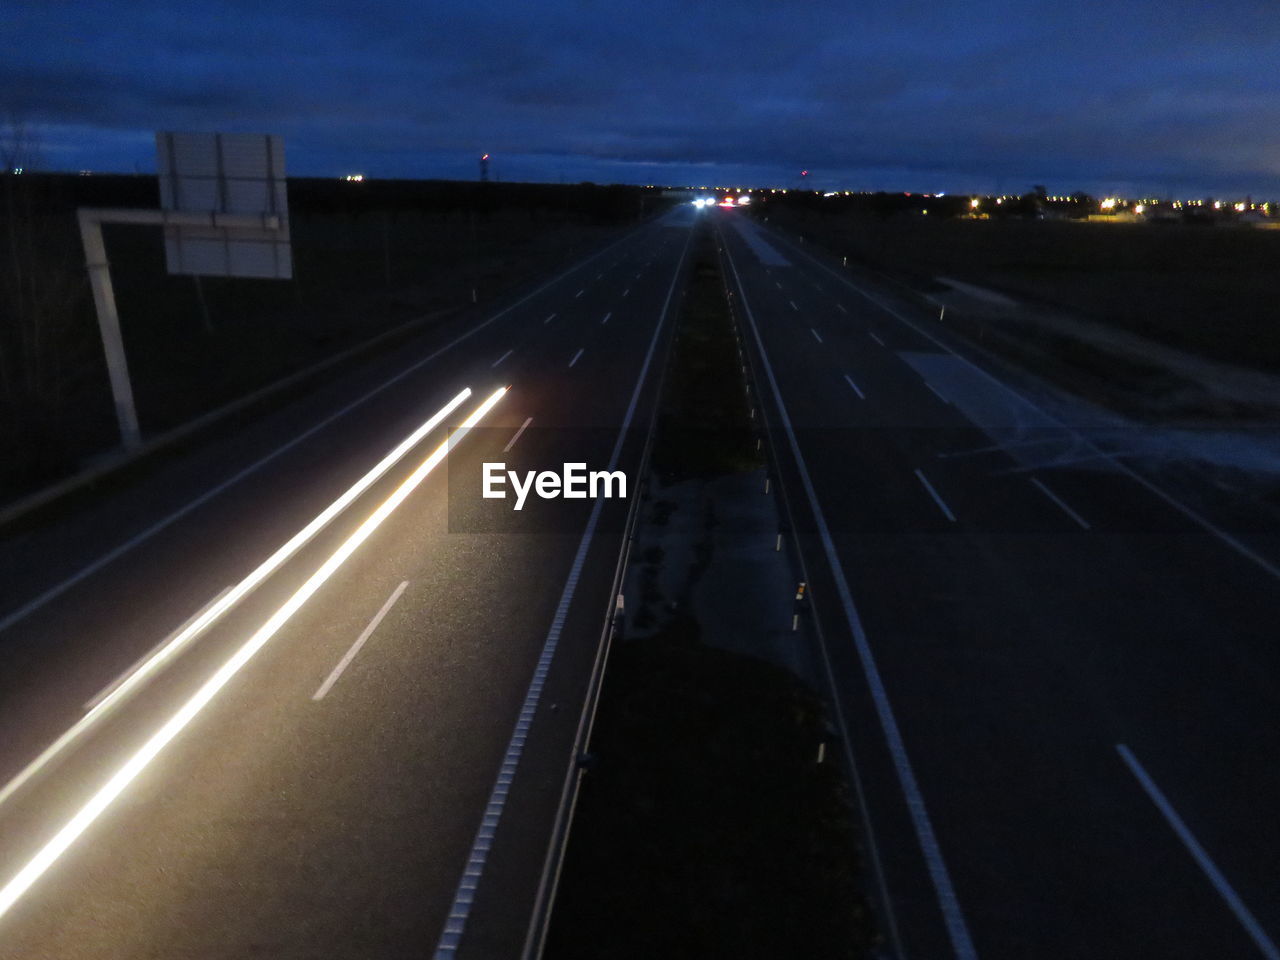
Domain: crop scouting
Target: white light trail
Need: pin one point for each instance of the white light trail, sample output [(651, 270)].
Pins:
[(132, 683), (99, 802)]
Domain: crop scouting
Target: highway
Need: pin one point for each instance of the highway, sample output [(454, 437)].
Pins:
[(1058, 683), (362, 755)]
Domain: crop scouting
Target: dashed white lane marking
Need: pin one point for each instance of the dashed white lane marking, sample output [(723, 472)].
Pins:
[(793, 306), (948, 902), (875, 338), (580, 293), (1061, 503), (599, 275), (815, 334), (549, 319), (1247, 920), (500, 359), (1273, 569), (934, 493), (626, 291), (459, 911), (840, 307), (576, 356), (360, 642), (777, 284), (512, 442), (849, 380), (607, 316)]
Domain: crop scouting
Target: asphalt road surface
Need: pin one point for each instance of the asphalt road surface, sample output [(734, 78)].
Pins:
[(1059, 683), (372, 772), (1056, 679)]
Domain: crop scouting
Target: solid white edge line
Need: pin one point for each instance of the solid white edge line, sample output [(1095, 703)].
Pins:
[(1264, 943), (102, 799), (365, 634), (1061, 503), (501, 358), (58, 589), (948, 903), (934, 493), (576, 356), (1203, 522), (512, 442), (849, 380), (135, 680), (460, 909)]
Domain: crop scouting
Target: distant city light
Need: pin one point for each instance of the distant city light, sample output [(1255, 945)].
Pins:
[(1239, 208), (973, 203), (354, 177)]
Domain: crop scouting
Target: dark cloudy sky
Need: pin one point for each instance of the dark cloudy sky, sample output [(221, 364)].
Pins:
[(1174, 97)]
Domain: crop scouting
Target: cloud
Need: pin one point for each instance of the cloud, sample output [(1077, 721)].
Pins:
[(993, 90)]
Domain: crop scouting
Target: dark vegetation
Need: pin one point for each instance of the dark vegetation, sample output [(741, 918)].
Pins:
[(368, 257), (705, 826), (703, 424), (1209, 289)]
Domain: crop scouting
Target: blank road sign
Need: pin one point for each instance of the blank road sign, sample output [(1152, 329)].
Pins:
[(225, 173)]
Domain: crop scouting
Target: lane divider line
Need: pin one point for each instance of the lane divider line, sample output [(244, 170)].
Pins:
[(944, 890), (580, 293), (102, 799), (849, 380), (606, 317), (1247, 920), (360, 642), (840, 307), (512, 442), (501, 358), (88, 570), (934, 493), (1239, 546), (550, 318), (1061, 503), (576, 356), (456, 924), (873, 336), (134, 681), (793, 306), (815, 334)]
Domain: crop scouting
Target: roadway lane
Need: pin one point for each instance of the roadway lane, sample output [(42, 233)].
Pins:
[(286, 825), (1024, 619)]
